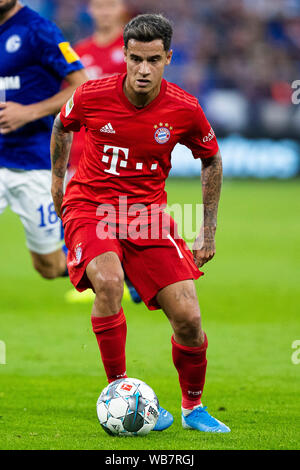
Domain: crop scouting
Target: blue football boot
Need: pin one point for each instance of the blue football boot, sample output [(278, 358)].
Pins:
[(165, 419), (201, 420)]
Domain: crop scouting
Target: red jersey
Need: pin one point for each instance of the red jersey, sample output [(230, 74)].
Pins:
[(99, 62), (128, 150)]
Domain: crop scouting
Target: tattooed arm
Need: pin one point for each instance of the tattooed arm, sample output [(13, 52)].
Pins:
[(211, 176), (60, 145)]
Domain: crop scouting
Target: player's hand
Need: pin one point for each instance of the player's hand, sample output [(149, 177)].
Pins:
[(204, 248), (13, 116), (57, 196)]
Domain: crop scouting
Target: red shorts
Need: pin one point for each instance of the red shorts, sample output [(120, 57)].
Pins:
[(150, 264)]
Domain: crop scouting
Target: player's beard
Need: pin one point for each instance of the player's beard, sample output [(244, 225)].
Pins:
[(7, 6)]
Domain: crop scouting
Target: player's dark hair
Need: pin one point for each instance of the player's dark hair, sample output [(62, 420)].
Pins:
[(147, 28)]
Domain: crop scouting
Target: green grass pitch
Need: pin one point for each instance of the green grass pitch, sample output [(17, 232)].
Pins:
[(249, 299)]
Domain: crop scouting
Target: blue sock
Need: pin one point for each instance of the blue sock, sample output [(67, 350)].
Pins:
[(133, 293), (65, 250)]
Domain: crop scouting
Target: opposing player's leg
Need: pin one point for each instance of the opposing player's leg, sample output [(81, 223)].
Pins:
[(30, 198), (106, 276), (51, 265), (189, 344)]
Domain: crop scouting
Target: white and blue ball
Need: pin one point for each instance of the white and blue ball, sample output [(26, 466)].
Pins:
[(128, 407)]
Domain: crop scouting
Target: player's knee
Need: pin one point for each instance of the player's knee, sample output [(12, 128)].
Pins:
[(109, 292), (109, 286), (189, 330)]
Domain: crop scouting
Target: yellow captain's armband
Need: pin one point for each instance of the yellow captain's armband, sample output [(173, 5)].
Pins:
[(68, 53)]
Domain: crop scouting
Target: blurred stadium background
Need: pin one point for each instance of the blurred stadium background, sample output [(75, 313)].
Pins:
[(240, 58)]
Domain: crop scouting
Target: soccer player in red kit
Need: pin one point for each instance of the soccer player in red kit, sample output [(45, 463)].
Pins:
[(132, 123)]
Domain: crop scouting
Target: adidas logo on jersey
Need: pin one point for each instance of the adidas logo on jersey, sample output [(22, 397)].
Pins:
[(108, 128)]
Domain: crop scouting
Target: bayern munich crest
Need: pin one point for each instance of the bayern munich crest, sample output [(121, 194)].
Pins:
[(78, 253), (162, 133)]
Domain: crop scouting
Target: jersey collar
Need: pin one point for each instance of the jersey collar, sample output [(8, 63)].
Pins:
[(129, 105)]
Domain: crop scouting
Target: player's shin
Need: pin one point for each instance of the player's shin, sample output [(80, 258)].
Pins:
[(111, 337), (190, 363)]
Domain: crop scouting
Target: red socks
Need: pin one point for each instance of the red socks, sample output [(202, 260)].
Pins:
[(111, 337), (190, 363)]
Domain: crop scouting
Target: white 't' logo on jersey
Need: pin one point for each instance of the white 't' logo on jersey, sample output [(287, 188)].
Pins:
[(13, 43), (114, 159)]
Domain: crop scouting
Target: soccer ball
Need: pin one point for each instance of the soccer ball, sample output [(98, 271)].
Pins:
[(128, 407)]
